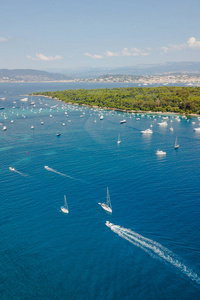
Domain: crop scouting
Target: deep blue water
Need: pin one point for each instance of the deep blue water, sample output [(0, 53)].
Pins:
[(46, 254)]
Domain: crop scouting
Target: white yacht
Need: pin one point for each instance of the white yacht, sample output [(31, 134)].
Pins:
[(65, 207), (147, 131), (163, 124), (101, 117), (107, 206), (4, 128), (160, 152), (197, 129), (123, 121), (11, 169)]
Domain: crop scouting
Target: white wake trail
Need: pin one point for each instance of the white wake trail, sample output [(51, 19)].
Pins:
[(52, 170), (154, 249)]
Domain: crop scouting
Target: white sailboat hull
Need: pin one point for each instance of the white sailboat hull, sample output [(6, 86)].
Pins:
[(106, 207), (64, 210)]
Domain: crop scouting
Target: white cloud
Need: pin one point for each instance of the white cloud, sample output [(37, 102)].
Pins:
[(139, 52), (93, 55), (40, 56), (127, 52), (164, 50), (193, 43), (3, 40), (109, 53)]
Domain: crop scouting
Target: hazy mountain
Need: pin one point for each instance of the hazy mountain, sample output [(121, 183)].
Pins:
[(151, 69), (29, 75)]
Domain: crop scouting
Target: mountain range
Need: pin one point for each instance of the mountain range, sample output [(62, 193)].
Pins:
[(31, 75)]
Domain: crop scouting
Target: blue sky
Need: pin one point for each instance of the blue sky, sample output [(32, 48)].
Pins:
[(45, 34)]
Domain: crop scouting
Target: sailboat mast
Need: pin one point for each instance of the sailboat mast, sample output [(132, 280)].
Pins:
[(65, 202), (108, 199)]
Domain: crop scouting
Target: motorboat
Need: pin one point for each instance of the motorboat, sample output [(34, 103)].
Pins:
[(160, 152), (123, 121), (11, 169), (163, 124), (147, 131)]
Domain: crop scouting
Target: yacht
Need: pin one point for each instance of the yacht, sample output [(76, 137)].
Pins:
[(147, 131), (123, 121), (11, 169), (4, 128), (160, 152), (163, 124), (197, 129)]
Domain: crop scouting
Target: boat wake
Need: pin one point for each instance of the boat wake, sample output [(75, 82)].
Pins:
[(154, 249), (52, 170), (14, 170)]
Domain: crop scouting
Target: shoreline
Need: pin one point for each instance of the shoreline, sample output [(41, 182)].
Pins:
[(118, 109)]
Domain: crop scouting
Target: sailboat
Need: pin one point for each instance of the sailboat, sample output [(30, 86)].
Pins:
[(65, 207), (118, 141), (107, 206), (176, 145)]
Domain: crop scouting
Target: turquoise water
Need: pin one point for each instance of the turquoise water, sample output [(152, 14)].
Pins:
[(153, 249)]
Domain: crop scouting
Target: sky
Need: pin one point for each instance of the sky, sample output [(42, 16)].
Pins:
[(63, 34)]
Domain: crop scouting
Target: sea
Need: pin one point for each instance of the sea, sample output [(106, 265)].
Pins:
[(148, 248)]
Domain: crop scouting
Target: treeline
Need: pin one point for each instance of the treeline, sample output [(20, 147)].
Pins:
[(163, 99)]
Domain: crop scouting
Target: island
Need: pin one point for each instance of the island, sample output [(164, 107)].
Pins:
[(185, 100)]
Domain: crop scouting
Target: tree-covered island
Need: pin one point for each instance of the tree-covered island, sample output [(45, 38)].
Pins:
[(155, 99)]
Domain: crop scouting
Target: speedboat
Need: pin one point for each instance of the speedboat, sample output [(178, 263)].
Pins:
[(11, 169), (197, 129), (58, 134), (4, 128), (101, 117), (160, 152), (123, 121), (109, 224), (32, 127), (147, 131)]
